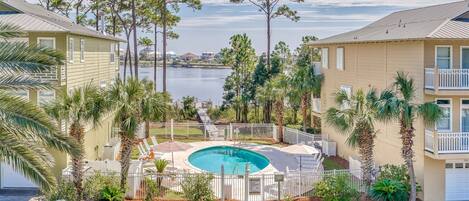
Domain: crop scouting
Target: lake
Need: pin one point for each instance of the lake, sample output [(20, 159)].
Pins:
[(203, 83)]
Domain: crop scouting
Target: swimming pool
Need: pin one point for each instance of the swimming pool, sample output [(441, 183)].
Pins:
[(233, 159)]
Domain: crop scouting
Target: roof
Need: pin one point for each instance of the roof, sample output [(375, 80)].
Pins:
[(445, 21), (34, 18)]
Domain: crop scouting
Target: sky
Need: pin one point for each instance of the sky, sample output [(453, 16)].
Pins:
[(210, 28)]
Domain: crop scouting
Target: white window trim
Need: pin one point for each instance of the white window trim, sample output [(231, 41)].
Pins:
[(337, 58), (326, 58), (450, 114), (71, 53), (38, 101), (47, 38), (460, 112), (82, 50), (111, 52), (460, 55), (450, 55)]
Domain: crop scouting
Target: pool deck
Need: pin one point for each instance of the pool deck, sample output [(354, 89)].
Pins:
[(279, 161)]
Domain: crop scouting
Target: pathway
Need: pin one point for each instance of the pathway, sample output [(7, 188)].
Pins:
[(213, 132)]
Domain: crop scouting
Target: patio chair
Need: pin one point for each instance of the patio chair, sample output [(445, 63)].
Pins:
[(153, 140), (145, 141)]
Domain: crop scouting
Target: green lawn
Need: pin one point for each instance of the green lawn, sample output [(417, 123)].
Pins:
[(177, 131), (330, 164)]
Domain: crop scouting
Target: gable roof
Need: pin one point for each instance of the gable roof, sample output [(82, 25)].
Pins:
[(445, 21), (34, 18)]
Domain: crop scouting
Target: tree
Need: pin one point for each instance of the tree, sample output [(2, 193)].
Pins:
[(26, 132), (275, 90), (281, 57), (303, 80), (399, 104), (146, 43), (154, 105), (356, 117), (79, 8), (242, 58), (81, 107), (272, 10), (168, 19)]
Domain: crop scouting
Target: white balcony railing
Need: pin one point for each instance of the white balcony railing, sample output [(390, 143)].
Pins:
[(446, 79), (316, 105), (447, 142)]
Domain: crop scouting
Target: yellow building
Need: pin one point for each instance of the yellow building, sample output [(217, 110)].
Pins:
[(431, 44), (91, 57)]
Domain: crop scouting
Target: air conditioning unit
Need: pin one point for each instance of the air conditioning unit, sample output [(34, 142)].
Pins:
[(329, 148)]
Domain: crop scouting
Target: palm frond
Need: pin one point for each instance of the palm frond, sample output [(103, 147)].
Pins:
[(430, 112), (22, 158), (338, 119), (20, 57), (18, 81), (16, 111), (10, 31), (388, 106), (405, 86), (341, 97)]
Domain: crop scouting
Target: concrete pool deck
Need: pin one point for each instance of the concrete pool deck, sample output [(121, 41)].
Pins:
[(279, 160)]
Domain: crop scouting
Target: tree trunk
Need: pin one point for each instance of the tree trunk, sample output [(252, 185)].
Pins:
[(295, 118), (76, 132), (407, 135), (164, 45), (147, 129), (304, 111), (268, 35), (96, 24), (126, 150), (245, 113), (134, 23), (155, 57), (366, 145), (279, 117), (267, 111)]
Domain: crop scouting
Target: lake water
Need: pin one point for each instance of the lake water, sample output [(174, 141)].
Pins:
[(205, 84)]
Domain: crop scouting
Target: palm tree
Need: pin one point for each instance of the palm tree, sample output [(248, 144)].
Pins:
[(26, 131), (356, 117), (154, 105), (398, 104), (81, 107), (126, 100)]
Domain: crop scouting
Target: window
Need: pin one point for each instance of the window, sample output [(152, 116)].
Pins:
[(45, 96), (82, 50), (46, 42), (465, 115), (325, 57), (444, 124), (112, 55), (340, 58), (348, 91), (443, 57), (465, 57), (71, 47)]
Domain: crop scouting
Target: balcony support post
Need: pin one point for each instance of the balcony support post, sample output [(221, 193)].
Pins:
[(436, 79)]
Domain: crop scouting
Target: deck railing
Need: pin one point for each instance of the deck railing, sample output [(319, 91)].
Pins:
[(446, 142), (446, 79)]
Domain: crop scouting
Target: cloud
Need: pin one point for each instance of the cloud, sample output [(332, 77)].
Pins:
[(217, 20), (353, 3)]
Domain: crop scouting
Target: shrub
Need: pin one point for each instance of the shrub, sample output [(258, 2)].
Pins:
[(151, 190), (389, 190), (197, 188), (95, 184), (336, 188), (112, 193), (397, 173), (65, 191)]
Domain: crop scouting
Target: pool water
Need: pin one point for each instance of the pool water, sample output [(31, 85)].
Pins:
[(233, 159)]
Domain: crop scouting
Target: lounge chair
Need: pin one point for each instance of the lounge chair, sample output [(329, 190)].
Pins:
[(146, 144), (153, 140)]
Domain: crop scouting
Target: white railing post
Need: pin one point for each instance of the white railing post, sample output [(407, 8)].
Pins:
[(231, 131), (172, 129), (222, 173), (246, 183), (262, 187), (297, 136)]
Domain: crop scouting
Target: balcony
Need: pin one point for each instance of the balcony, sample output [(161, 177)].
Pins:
[(446, 81), (442, 143), (316, 105)]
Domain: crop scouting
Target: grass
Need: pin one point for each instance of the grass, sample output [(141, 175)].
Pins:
[(177, 131), (330, 164), (171, 195)]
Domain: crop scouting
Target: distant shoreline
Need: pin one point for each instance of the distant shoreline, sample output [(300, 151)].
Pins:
[(149, 64)]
